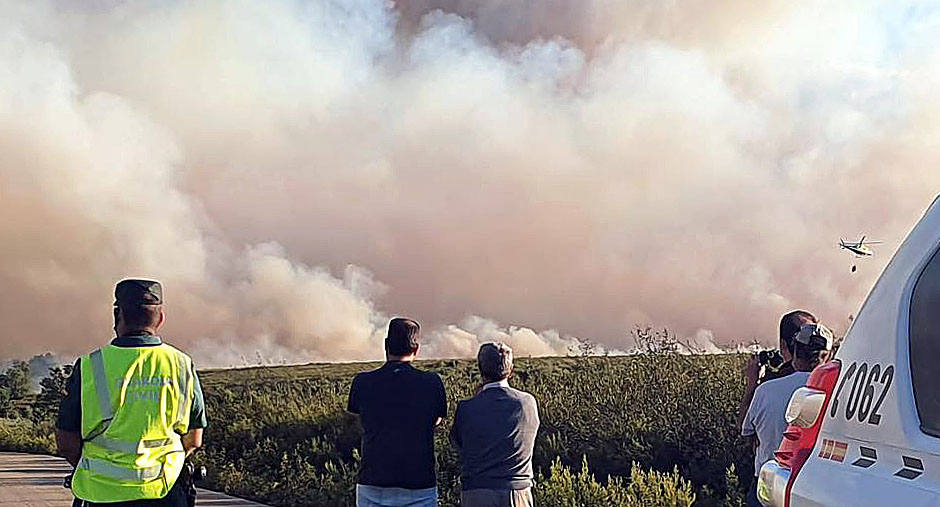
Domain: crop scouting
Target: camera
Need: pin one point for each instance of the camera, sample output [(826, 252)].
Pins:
[(772, 359)]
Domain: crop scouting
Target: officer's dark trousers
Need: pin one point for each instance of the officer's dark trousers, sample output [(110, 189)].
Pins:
[(175, 498)]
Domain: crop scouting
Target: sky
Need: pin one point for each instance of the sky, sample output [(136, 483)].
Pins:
[(541, 173)]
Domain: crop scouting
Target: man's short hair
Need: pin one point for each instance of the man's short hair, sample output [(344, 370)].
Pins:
[(402, 338), (809, 354), (495, 361), (140, 316), (791, 323)]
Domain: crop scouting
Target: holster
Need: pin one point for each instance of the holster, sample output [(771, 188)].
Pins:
[(188, 478)]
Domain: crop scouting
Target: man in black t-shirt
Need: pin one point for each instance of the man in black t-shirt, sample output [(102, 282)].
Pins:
[(399, 407)]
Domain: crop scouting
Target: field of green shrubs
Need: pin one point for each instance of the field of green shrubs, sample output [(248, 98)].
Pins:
[(655, 428)]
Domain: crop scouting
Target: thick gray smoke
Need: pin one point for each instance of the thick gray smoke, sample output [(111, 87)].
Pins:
[(296, 172)]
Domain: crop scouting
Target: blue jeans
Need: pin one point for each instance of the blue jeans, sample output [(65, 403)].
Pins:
[(374, 496)]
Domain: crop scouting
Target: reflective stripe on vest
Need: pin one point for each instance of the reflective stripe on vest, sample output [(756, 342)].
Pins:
[(128, 446), (184, 395), (101, 385), (115, 472)]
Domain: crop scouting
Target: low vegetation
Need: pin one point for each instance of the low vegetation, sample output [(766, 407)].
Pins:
[(655, 428)]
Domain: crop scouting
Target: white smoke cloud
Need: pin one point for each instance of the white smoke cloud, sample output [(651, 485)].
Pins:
[(464, 340), (703, 341), (296, 172)]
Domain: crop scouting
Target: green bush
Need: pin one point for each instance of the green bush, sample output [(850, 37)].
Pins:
[(659, 488), (23, 435), (564, 488)]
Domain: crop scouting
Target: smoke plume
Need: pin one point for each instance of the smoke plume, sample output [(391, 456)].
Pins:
[(296, 172)]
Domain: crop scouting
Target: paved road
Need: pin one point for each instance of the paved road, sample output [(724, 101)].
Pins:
[(33, 480)]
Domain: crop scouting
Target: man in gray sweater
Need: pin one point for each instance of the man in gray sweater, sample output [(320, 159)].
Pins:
[(495, 433)]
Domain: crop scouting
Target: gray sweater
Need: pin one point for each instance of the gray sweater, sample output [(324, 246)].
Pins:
[(495, 433)]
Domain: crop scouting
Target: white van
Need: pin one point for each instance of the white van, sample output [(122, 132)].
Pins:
[(866, 428)]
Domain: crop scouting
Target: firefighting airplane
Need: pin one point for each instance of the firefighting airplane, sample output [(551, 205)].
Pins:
[(860, 249)]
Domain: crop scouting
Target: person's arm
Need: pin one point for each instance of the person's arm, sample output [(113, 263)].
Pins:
[(198, 421), (441, 402), (69, 445), (352, 405), (197, 415), (535, 412), (192, 440), (751, 375), (68, 432), (455, 430), (754, 444), (748, 427)]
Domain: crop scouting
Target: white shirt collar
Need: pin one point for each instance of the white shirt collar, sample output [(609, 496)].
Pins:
[(501, 383)]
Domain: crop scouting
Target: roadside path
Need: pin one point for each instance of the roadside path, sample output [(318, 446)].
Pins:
[(34, 480)]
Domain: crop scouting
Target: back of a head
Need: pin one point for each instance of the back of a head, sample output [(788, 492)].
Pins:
[(809, 355), (812, 344), (140, 317), (402, 338), (495, 361), (791, 323), (140, 302)]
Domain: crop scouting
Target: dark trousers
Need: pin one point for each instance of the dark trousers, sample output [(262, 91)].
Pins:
[(751, 498), (175, 498)]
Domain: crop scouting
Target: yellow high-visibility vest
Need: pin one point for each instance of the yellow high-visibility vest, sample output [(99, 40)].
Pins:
[(136, 403)]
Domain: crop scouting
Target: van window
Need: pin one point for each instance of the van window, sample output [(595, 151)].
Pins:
[(925, 346)]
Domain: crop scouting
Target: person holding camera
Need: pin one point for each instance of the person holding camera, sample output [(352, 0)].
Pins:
[(772, 364), (765, 419)]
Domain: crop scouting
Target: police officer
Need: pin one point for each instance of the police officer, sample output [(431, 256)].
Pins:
[(133, 410)]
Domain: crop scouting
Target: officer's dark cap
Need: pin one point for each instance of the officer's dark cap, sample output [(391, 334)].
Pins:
[(138, 292)]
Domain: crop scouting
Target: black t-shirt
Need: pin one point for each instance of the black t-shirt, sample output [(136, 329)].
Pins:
[(398, 406)]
